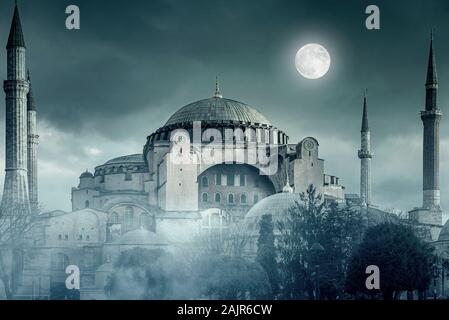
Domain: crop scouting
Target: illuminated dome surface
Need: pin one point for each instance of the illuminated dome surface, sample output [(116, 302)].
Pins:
[(217, 109), (278, 205)]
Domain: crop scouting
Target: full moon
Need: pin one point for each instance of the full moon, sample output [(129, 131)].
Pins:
[(313, 61)]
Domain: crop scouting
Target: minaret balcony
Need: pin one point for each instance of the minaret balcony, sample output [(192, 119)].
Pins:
[(365, 154), (431, 113)]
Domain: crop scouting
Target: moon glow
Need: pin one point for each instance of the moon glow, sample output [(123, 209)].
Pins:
[(313, 61)]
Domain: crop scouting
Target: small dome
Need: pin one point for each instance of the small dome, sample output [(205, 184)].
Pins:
[(278, 205), (444, 234), (217, 109), (141, 237), (86, 174)]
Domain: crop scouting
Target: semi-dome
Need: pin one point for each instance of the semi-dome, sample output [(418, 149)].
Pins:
[(132, 158), (217, 109), (444, 234)]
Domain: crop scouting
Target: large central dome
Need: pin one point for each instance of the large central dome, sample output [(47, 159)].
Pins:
[(217, 109)]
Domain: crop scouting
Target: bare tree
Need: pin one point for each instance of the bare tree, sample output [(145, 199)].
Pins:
[(16, 225), (231, 241)]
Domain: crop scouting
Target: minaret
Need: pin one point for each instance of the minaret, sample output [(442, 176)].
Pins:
[(430, 213), (431, 117), (15, 192), (365, 156), (33, 140)]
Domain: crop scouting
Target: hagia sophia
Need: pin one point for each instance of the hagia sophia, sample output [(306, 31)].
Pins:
[(215, 162)]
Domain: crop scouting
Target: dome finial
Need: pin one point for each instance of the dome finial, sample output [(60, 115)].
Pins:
[(287, 188), (217, 93)]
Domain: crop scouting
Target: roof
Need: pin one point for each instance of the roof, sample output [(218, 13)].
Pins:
[(86, 174), (278, 205), (444, 233), (16, 38), (217, 109), (132, 158)]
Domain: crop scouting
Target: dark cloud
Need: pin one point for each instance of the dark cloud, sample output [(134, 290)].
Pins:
[(134, 63)]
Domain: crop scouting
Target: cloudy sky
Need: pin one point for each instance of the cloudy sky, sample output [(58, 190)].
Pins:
[(101, 90)]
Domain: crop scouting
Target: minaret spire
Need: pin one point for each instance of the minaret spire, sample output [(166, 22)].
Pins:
[(431, 117), (365, 126), (217, 93), (16, 38), (365, 156)]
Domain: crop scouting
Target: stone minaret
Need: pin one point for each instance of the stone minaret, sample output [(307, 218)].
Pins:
[(431, 117), (33, 140), (430, 213), (15, 192), (365, 156)]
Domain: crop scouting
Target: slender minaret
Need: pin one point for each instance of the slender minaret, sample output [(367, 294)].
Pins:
[(15, 192), (365, 156), (33, 140), (431, 117)]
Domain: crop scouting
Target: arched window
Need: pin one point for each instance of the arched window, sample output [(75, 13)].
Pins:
[(256, 198), (217, 197), (243, 199), (204, 182), (205, 197), (113, 218), (87, 204), (129, 216), (230, 198)]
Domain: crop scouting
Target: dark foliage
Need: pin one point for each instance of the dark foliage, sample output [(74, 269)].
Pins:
[(403, 259)]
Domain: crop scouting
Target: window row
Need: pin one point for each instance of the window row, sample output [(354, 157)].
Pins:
[(230, 179), (231, 198), (80, 237)]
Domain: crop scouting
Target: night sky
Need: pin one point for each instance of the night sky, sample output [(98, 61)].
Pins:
[(101, 90)]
